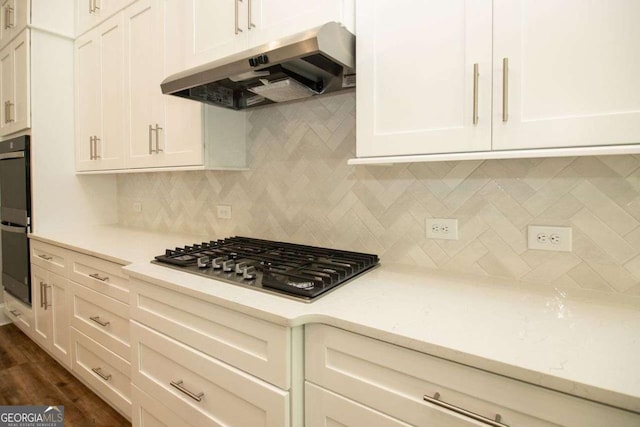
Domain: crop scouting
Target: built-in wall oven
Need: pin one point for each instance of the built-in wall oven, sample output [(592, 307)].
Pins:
[(15, 216)]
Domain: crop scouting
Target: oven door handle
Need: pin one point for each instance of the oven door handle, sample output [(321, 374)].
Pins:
[(13, 228), (12, 155)]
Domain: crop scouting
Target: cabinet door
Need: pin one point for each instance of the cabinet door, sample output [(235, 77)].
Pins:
[(41, 318), (87, 87), (19, 110), (57, 299), (416, 62), (5, 21), (214, 29), (110, 144), (269, 20), (6, 89), (573, 70), (143, 74)]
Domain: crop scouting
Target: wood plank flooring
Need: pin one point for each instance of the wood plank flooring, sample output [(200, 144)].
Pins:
[(29, 376)]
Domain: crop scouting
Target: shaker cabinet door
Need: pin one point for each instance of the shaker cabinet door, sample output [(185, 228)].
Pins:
[(572, 73), (424, 70)]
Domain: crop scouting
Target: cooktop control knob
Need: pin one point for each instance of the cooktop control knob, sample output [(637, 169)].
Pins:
[(249, 273), (216, 263), (241, 266), (203, 262), (227, 266)]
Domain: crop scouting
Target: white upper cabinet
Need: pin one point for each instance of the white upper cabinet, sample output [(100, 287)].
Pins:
[(423, 73), (15, 110), (573, 68), (163, 131), (213, 30), (554, 78), (14, 16), (100, 96), (90, 13)]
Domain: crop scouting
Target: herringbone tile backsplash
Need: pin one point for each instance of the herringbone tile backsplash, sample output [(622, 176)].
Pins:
[(299, 188)]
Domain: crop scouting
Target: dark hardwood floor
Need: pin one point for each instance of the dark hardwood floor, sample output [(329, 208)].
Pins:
[(29, 376)]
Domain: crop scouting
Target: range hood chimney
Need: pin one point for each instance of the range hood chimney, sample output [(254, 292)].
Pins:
[(315, 62)]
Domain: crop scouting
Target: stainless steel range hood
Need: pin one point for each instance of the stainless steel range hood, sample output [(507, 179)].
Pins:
[(318, 61)]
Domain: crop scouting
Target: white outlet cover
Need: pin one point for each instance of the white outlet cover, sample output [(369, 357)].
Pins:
[(436, 226), (561, 241), (224, 211)]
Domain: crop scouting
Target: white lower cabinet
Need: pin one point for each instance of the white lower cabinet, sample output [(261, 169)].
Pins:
[(106, 372), (50, 313), (204, 390), (324, 408), (398, 382), (20, 314), (150, 412)]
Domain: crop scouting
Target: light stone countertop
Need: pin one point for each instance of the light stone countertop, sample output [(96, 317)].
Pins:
[(583, 343)]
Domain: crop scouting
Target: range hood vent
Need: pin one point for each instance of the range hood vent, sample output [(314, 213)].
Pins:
[(315, 62)]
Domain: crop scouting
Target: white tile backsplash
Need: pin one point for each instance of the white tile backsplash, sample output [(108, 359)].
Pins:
[(299, 188)]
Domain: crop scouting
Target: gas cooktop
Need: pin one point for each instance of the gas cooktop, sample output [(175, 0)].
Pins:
[(296, 271)]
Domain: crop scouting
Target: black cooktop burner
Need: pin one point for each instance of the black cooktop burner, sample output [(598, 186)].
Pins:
[(302, 272)]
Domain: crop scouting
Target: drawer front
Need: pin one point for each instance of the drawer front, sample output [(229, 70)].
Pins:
[(394, 380), (149, 412), (101, 318), (101, 276), (203, 389), (103, 370), (49, 257), (255, 346), (21, 315), (326, 409)]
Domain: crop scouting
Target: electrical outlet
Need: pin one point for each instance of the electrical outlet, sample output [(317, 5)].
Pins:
[(224, 211), (137, 207), (549, 238), (442, 228)]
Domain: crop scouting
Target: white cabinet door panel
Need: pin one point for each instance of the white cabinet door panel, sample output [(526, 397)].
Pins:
[(416, 61), (572, 76), (87, 99)]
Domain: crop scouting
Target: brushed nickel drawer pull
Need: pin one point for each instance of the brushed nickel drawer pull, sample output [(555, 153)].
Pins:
[(99, 277), (488, 421), (178, 384), (45, 257), (98, 372), (476, 76), (15, 313), (46, 298), (100, 322)]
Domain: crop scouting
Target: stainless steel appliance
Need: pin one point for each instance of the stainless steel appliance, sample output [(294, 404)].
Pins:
[(15, 216), (314, 62), (296, 271)]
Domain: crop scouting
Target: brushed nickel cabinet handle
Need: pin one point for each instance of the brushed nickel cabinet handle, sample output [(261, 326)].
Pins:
[(41, 294), (6, 17), (11, 105), (151, 151), (10, 17), (238, 29), (99, 372), (46, 298), (91, 148), (91, 9), (96, 5), (476, 76), (15, 313), (100, 322), (488, 421), (157, 131), (250, 23), (99, 277), (178, 384), (45, 257), (95, 147), (505, 89)]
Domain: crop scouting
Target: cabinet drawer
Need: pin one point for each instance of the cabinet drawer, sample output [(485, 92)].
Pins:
[(255, 346), (102, 318), (203, 389), (394, 380), (100, 275), (20, 314), (149, 412), (103, 370), (324, 408), (52, 258)]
